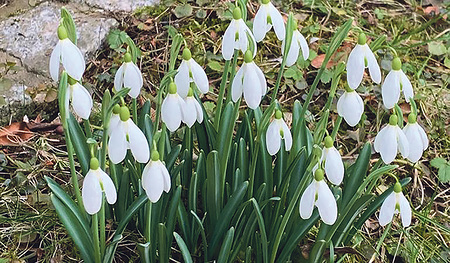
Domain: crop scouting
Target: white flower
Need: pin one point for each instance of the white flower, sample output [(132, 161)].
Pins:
[(266, 17), (396, 81), (350, 106), (190, 71), (334, 168), (192, 111), (319, 194), (417, 138), (69, 55), (277, 131), (155, 178), (250, 80), (172, 109), (129, 76), (390, 139), (81, 99), (237, 37), (126, 135), (394, 203), (95, 183), (360, 58), (115, 119), (298, 41)]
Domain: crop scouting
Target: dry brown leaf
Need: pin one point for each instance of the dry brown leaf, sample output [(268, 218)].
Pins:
[(15, 134)]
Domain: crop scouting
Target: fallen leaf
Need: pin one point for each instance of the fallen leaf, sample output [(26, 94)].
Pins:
[(15, 134)]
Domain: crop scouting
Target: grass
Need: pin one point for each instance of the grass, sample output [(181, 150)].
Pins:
[(30, 230)]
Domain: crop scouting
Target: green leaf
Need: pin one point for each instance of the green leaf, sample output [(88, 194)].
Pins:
[(215, 65), (201, 13), (69, 25), (226, 247), (184, 249), (437, 48), (444, 169), (75, 229), (164, 246), (79, 143), (262, 228), (183, 10), (326, 76)]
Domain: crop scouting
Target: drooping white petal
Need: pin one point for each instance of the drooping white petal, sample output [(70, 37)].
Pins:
[(55, 57), (326, 203), (390, 90), (199, 112), (72, 59), (91, 193), (350, 106), (302, 43), (182, 79), (415, 141), (171, 113), (334, 168), (406, 86), (260, 24), (261, 78), (386, 143), (355, 66), (374, 69), (228, 41), (108, 187), (132, 78), (405, 209), (237, 85), (153, 181), (113, 122), (166, 177), (188, 111), (117, 145), (403, 145), (387, 210), (273, 139), (118, 78), (287, 136), (423, 136), (252, 89), (242, 41), (138, 143), (81, 101), (277, 22), (199, 75), (307, 200), (292, 55)]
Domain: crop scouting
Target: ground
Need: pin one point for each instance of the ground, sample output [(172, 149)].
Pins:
[(420, 34)]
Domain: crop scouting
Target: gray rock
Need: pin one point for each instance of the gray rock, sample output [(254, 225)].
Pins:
[(32, 36), (118, 5)]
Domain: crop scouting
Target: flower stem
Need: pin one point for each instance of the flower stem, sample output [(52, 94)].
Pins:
[(278, 82), (95, 237), (102, 227), (223, 83), (73, 172), (148, 227), (87, 128), (233, 73)]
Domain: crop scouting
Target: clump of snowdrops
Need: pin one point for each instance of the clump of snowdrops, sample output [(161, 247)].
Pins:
[(251, 192)]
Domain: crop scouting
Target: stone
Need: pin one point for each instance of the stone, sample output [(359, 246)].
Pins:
[(118, 5)]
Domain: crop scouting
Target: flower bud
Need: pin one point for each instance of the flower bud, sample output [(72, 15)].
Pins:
[(127, 57), (71, 81), (328, 142), (237, 13), (318, 175), (362, 39), (172, 88), (412, 118), (116, 109), (248, 57), (265, 2), (396, 64), (186, 54), (62, 32), (124, 113), (155, 156), (94, 164), (397, 187), (278, 114), (393, 120)]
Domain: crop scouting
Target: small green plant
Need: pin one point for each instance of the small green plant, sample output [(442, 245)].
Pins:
[(250, 195)]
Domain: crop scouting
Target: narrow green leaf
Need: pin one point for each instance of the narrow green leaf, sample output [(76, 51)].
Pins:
[(215, 188), (226, 247), (164, 246), (79, 143), (175, 50), (262, 228), (202, 231), (184, 249)]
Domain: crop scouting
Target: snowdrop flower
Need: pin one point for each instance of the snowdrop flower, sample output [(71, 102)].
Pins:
[(237, 37), (266, 17), (395, 203), (129, 76), (250, 80), (192, 110), (115, 118), (190, 71), (69, 55), (417, 138), (396, 81), (172, 109), (350, 106), (360, 58), (298, 42), (334, 168), (126, 135), (155, 178), (390, 139), (95, 183), (319, 194), (80, 97), (277, 131)]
